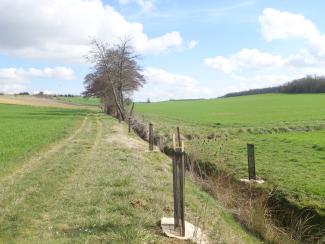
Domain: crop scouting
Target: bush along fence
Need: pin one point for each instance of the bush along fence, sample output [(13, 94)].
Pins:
[(264, 211)]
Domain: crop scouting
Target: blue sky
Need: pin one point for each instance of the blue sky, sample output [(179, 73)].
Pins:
[(189, 49)]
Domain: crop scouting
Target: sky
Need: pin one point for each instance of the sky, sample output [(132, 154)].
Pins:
[(188, 49)]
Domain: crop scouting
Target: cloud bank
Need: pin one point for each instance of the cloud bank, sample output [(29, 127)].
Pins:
[(145, 5), (256, 66), (62, 30), (164, 85), (14, 80)]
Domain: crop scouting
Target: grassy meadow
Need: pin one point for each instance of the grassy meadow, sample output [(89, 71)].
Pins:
[(73, 176), (271, 110), (91, 101), (26, 129), (288, 132)]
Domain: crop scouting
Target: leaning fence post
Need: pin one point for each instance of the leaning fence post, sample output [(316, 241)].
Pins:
[(150, 136), (182, 185), (175, 189), (178, 137), (179, 231), (251, 162), (178, 189), (174, 142), (160, 143)]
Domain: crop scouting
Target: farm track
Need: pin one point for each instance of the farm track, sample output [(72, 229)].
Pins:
[(35, 161), (43, 175), (55, 205)]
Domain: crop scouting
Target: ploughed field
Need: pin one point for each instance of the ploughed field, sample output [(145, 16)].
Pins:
[(288, 132)]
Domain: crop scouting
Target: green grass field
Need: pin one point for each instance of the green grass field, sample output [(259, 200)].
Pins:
[(73, 176), (247, 111), (92, 101), (288, 132), (26, 129)]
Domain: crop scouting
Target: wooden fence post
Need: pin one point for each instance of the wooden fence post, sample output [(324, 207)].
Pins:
[(251, 162), (129, 122), (178, 137), (178, 190), (175, 190), (174, 142), (160, 143), (182, 186), (150, 136)]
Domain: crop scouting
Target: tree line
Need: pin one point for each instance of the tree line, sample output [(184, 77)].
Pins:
[(308, 84)]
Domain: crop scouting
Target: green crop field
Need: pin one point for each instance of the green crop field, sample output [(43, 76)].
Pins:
[(288, 132), (92, 101), (25, 129), (247, 111)]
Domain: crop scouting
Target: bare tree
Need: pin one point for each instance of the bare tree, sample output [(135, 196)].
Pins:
[(115, 75)]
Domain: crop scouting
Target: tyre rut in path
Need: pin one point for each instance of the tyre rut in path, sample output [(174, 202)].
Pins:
[(57, 208), (36, 160), (28, 190)]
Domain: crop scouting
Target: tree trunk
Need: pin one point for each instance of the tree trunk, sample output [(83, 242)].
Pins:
[(131, 111), (118, 106)]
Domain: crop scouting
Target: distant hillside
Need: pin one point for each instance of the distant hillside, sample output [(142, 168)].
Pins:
[(308, 84)]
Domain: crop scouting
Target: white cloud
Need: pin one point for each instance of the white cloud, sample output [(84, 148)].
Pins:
[(253, 68), (277, 24), (220, 63), (13, 80), (261, 69), (246, 58), (193, 44), (162, 85), (50, 29), (146, 5), (159, 44), (61, 73), (284, 25)]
